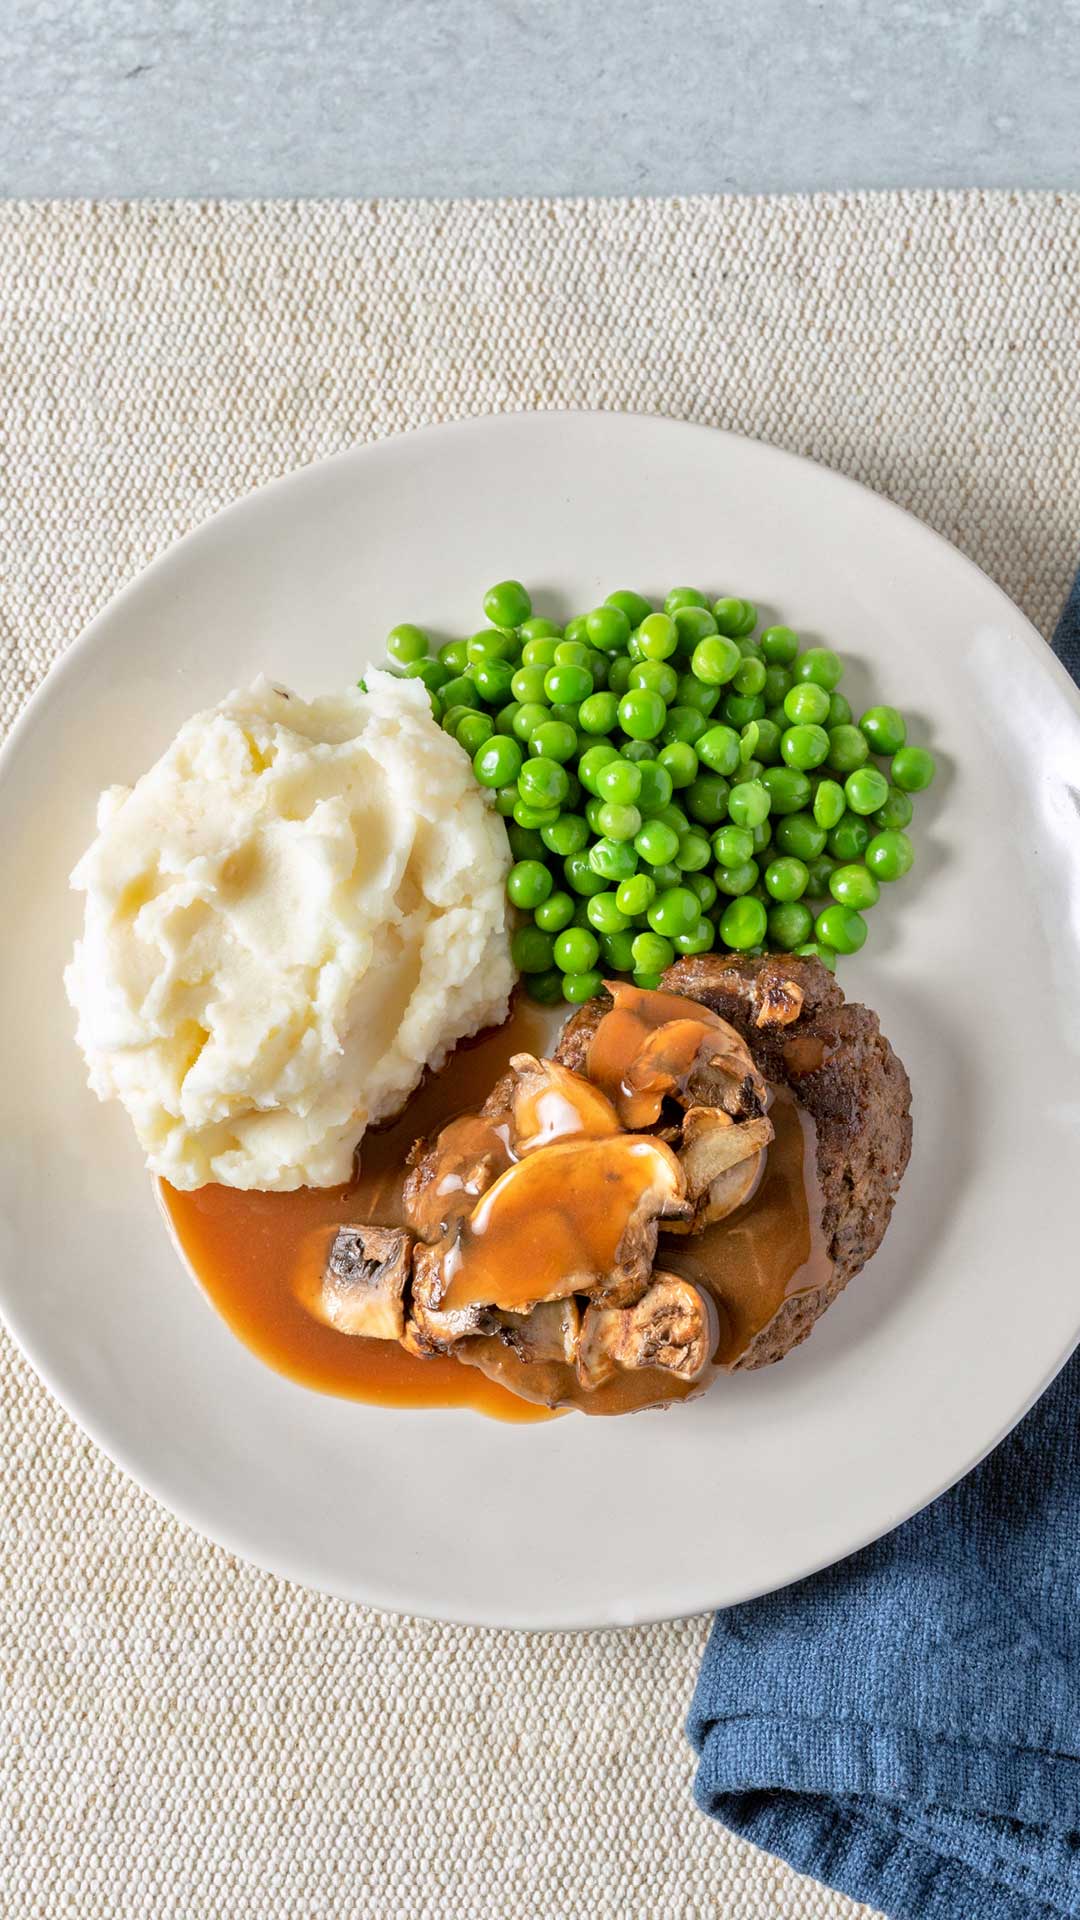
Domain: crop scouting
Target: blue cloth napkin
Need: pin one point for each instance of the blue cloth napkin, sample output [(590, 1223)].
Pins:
[(906, 1725)]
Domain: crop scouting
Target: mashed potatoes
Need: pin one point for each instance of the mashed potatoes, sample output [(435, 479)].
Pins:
[(290, 915)]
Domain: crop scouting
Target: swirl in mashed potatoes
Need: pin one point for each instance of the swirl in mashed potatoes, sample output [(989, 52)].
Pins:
[(299, 907)]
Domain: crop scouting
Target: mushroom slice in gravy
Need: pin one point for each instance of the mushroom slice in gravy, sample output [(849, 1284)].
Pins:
[(363, 1286), (672, 1326)]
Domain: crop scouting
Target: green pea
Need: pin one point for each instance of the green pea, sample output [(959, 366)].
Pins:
[(556, 912), (735, 617), (579, 987), (855, 886), (507, 604), (719, 748), (673, 816), (841, 928), (543, 782), (619, 674), (452, 718), (912, 769), (576, 950), (847, 749), (666, 875), (531, 950), (767, 738), (576, 629), (652, 953), (778, 683), (849, 839), (896, 812), (619, 780), (884, 729), (749, 803), (604, 914), (635, 895), (829, 804), (591, 762), (406, 643), (585, 876), (568, 682), (493, 680), (699, 939), (572, 653), (528, 815), (490, 644), (568, 834), (694, 851), (816, 951), (867, 789), (788, 788), (539, 653), (615, 949), (648, 982), (553, 740), (683, 597), (786, 878), (592, 812), (633, 650), (656, 788), (692, 692), (634, 605), (762, 836), (715, 660), (705, 888), (657, 676), (819, 667), (608, 629), (455, 655), (610, 860), (656, 842), (749, 676), (459, 692), (733, 846), (432, 672), (642, 713), (692, 624), (805, 704), (497, 762), (472, 730), (618, 821), (707, 799), (779, 646), (889, 855), (804, 747), (546, 988), (820, 872), (528, 685), (506, 799), (739, 709), (504, 719), (536, 629), (529, 716), (743, 924), (839, 711), (657, 636), (599, 713), (525, 842), (799, 833), (636, 750), (528, 883), (738, 880), (674, 911), (680, 761), (790, 923), (684, 723)]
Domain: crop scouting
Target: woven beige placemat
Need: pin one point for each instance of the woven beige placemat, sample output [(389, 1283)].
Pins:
[(182, 1735)]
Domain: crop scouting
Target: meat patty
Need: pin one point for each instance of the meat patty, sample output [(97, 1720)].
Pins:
[(840, 1068)]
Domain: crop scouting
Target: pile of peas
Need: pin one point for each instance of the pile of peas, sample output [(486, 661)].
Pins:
[(670, 783)]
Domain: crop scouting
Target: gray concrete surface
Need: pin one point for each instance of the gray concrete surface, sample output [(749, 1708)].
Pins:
[(458, 97)]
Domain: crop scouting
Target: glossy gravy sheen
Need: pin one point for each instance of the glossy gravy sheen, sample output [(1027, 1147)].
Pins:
[(260, 1256)]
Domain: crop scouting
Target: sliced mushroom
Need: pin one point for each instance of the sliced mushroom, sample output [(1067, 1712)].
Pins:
[(449, 1176), (779, 1002), (430, 1327), (654, 1046), (670, 1327), (551, 1103), (548, 1332), (363, 1286), (580, 1217), (722, 1162)]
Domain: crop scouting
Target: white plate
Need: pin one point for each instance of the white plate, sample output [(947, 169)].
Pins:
[(931, 1355)]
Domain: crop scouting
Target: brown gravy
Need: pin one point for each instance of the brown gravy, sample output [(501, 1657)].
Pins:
[(259, 1256)]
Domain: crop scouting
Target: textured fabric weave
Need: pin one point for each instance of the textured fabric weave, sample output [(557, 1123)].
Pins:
[(184, 1736)]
